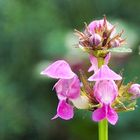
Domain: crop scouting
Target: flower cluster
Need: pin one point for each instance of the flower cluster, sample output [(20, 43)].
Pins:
[(103, 93), (99, 35)]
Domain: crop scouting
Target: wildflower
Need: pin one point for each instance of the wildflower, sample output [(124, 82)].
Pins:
[(67, 88), (105, 92), (99, 35)]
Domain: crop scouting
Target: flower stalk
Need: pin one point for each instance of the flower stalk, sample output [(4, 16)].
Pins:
[(102, 125), (103, 130)]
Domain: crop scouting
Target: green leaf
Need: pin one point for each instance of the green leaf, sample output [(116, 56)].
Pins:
[(121, 50)]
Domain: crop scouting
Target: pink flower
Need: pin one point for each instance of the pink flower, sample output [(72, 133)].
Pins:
[(98, 25), (135, 90), (94, 62), (67, 88), (104, 73), (105, 92)]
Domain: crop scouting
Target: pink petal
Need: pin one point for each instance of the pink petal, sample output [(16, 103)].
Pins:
[(107, 58), (68, 88), (105, 73), (94, 63), (59, 70), (105, 91), (105, 112), (99, 114), (112, 116), (97, 24), (64, 110)]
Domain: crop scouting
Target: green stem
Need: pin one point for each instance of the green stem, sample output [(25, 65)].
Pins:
[(103, 130), (103, 125), (100, 61)]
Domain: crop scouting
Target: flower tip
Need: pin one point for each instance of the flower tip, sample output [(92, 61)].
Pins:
[(42, 73), (55, 117)]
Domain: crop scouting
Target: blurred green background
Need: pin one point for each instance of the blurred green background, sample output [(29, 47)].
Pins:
[(35, 32)]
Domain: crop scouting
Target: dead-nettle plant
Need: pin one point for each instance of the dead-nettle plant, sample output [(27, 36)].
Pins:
[(103, 93)]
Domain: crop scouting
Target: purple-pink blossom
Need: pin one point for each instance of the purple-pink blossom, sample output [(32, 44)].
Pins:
[(105, 92), (67, 88)]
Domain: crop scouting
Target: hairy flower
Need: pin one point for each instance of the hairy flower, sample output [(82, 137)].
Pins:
[(99, 35)]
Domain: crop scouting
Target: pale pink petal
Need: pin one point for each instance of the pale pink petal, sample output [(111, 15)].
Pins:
[(68, 88), (59, 70), (107, 58), (94, 63), (64, 110), (105, 91), (97, 24), (112, 116), (61, 89), (93, 25), (105, 73), (99, 114)]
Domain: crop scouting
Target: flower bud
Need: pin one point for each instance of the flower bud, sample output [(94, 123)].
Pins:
[(115, 43), (95, 39), (135, 90)]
